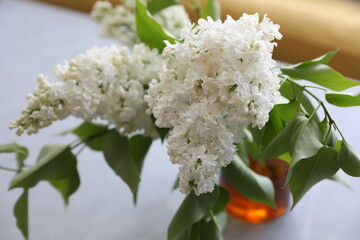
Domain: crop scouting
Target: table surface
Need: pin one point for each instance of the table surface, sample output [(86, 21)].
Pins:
[(34, 37)]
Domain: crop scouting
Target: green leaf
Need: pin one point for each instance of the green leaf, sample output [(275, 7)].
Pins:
[(338, 177), (288, 111), (210, 231), (324, 59), (247, 182), (163, 132), (192, 209), (349, 160), (305, 102), (138, 148), (155, 6), (320, 74), (287, 90), (309, 171), (343, 99), (280, 144), (54, 162), (117, 154), (279, 100), (223, 200), (21, 214), (21, 152), (92, 134), (67, 186), (149, 30), (212, 9), (305, 140)]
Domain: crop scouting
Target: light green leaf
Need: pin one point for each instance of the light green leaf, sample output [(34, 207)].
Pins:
[(212, 9), (54, 162), (192, 209), (149, 30), (280, 100), (343, 99), (92, 134), (324, 59), (21, 152), (309, 171), (320, 74), (349, 160), (117, 155), (155, 6), (286, 90), (252, 185), (338, 177), (21, 214)]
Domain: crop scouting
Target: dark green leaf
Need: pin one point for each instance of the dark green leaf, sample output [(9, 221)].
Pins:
[(149, 31), (117, 155), (212, 9), (192, 209), (223, 200), (155, 6), (21, 214), (349, 160), (138, 148), (320, 74), (67, 186), (280, 144), (210, 231), (288, 111), (250, 184), (54, 162), (343, 99), (92, 134), (21, 152), (309, 171), (163, 132)]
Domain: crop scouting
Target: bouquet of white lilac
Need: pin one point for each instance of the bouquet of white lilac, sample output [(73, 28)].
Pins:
[(210, 88)]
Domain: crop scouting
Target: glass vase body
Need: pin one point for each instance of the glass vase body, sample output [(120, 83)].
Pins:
[(253, 212)]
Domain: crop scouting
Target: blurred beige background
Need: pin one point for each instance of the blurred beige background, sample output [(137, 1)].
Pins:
[(310, 27)]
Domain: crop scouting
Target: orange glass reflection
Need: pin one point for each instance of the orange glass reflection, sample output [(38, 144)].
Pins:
[(254, 212)]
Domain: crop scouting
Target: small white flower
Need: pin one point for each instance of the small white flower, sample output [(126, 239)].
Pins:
[(119, 22), (216, 82), (105, 83)]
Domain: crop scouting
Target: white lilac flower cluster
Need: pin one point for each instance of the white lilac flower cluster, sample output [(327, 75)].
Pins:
[(119, 21), (217, 81), (105, 83)]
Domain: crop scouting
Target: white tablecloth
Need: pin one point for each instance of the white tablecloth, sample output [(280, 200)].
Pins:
[(34, 37)]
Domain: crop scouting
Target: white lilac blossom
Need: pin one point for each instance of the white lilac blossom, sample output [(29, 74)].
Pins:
[(105, 83), (217, 82), (119, 22)]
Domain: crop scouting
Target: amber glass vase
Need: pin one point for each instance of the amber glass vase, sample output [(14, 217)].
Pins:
[(254, 212)]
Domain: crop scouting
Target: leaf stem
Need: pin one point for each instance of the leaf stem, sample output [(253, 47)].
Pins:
[(9, 169), (327, 114)]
